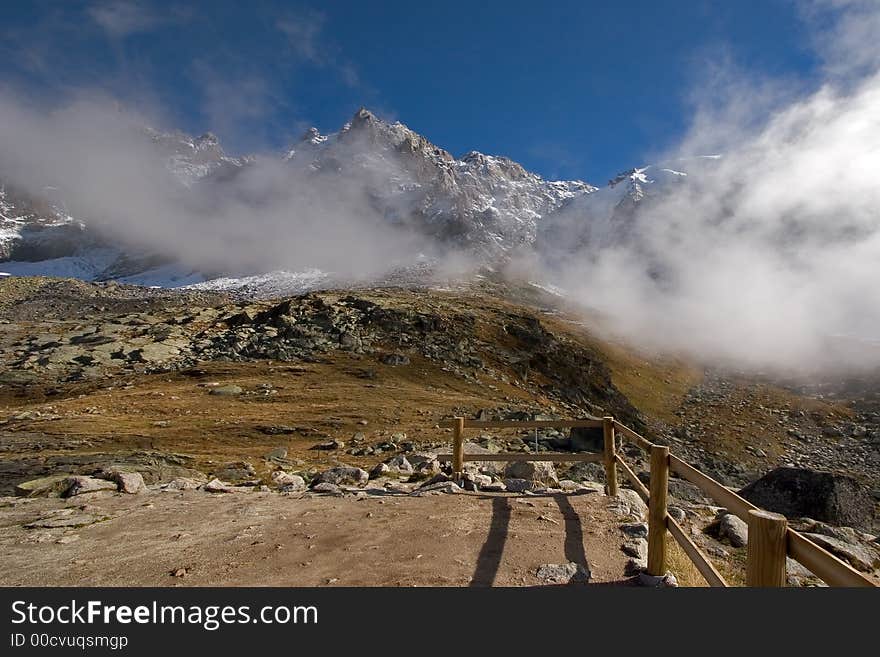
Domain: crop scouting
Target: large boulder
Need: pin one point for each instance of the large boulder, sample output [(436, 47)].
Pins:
[(587, 439), (827, 496), (541, 471)]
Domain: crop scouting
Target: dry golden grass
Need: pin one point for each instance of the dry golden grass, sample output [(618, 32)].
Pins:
[(732, 568), (320, 400), (656, 387), (679, 564)]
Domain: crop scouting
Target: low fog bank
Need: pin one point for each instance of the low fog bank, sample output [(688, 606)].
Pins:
[(269, 215)]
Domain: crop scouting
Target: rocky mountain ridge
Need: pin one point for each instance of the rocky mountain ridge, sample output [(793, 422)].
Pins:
[(486, 206)]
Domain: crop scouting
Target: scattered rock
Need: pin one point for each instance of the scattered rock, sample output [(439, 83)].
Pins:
[(513, 485), (628, 503), (51, 486), (861, 557), (479, 481), (635, 529), (676, 513), (330, 445), (731, 528), (276, 454), (129, 482), (540, 471), (65, 519), (400, 464), (217, 486), (587, 472), (278, 430), (438, 478), (394, 359), (325, 487), (638, 549), (183, 483), (80, 485), (634, 566), (568, 573), (797, 574), (379, 470), (226, 391), (290, 483), (236, 472), (343, 474), (439, 487), (658, 582)]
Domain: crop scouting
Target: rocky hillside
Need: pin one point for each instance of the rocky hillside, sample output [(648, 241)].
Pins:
[(326, 391)]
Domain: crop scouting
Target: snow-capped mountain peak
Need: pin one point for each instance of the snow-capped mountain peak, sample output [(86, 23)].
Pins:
[(487, 205)]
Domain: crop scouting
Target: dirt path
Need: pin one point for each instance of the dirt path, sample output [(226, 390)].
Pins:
[(257, 539)]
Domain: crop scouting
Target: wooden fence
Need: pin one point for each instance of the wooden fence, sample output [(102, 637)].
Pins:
[(771, 540)]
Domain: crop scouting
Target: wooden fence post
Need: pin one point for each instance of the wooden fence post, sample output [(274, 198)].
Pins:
[(458, 447), (657, 510), (768, 546), (610, 453)]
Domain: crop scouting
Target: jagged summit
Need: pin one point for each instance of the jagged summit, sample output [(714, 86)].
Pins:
[(206, 139), (363, 115), (313, 136)]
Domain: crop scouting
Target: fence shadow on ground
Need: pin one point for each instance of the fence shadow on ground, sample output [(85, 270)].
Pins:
[(492, 551), (489, 560)]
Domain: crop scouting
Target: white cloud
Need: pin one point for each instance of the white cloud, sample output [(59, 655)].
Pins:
[(771, 255), (307, 40), (121, 18), (303, 33)]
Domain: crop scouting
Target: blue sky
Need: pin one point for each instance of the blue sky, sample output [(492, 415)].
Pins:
[(570, 89)]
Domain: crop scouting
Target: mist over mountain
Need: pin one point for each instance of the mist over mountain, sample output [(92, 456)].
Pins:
[(755, 241)]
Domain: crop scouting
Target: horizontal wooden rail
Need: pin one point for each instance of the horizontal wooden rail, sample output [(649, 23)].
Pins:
[(722, 495), (700, 560), (642, 442), (525, 424), (584, 457), (822, 563), (639, 487)]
